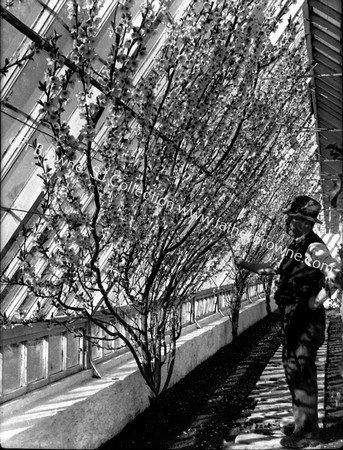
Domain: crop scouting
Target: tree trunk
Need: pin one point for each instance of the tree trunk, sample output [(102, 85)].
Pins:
[(267, 287), (269, 311), (234, 322), (155, 413)]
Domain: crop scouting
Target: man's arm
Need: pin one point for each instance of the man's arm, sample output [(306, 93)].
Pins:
[(320, 255), (329, 267), (260, 268), (317, 301)]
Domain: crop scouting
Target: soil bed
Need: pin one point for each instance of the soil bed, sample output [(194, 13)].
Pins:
[(209, 405), (200, 410)]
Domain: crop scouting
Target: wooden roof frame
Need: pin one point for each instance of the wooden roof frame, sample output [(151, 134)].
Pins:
[(323, 32)]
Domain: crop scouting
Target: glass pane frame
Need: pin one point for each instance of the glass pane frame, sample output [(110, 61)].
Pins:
[(27, 377), (12, 371), (35, 360), (75, 349), (97, 348), (56, 356)]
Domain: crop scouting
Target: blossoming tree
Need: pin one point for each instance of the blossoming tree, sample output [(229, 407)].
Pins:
[(138, 204)]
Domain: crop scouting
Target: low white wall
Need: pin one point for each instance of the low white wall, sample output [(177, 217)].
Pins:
[(87, 413)]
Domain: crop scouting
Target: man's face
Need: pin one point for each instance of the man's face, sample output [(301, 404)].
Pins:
[(296, 226)]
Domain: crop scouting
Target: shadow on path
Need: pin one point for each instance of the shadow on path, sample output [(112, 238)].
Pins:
[(262, 429)]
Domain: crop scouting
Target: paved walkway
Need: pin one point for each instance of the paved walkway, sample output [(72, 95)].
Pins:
[(261, 430)]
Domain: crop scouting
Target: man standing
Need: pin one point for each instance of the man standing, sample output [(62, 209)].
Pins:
[(307, 272)]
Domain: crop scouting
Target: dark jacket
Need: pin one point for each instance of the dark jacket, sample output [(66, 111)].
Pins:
[(298, 282)]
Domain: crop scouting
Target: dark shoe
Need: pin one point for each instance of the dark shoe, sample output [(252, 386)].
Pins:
[(299, 441), (288, 429)]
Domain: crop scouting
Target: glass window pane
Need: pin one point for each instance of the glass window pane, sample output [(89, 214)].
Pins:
[(32, 14), (110, 343), (96, 344), (26, 12), (35, 363), (118, 342), (11, 367), (24, 95), (21, 171), (55, 354), (73, 350), (25, 92)]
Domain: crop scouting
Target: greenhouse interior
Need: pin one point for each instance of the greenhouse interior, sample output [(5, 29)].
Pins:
[(171, 200)]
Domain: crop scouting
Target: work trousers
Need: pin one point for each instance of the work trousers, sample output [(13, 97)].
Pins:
[(303, 334)]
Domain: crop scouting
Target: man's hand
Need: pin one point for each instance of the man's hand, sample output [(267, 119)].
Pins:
[(316, 301), (313, 303)]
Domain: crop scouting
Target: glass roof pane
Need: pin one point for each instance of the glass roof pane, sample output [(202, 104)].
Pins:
[(330, 19), (325, 42), (27, 12), (21, 171), (24, 96)]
